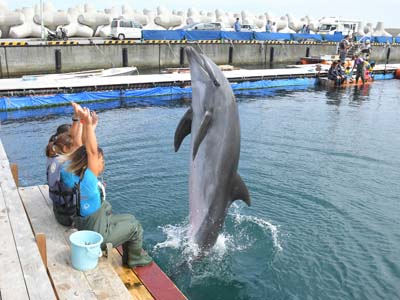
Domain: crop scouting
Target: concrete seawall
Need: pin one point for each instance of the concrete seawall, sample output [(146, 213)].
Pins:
[(21, 60)]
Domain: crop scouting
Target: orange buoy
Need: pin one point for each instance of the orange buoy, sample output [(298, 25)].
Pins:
[(397, 75)]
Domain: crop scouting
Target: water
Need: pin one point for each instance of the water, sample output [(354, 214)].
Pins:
[(322, 168)]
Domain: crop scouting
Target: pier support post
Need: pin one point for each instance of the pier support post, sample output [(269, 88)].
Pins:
[(388, 54), (124, 57), (271, 55), (14, 172), (41, 243), (181, 56), (58, 60), (230, 57), (308, 52), (387, 59)]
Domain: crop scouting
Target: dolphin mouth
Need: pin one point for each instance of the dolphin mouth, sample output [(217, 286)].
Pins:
[(194, 57)]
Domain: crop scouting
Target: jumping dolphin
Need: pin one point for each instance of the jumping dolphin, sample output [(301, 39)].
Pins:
[(213, 121)]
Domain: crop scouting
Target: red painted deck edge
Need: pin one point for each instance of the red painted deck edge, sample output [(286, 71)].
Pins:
[(157, 282)]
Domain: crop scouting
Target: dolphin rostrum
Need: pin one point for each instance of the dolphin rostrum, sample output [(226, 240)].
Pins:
[(213, 121)]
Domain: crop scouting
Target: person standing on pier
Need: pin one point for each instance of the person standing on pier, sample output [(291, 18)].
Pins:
[(237, 25), (360, 66), (274, 27), (82, 168), (344, 46), (268, 26)]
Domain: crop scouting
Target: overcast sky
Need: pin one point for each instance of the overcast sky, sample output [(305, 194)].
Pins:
[(386, 11)]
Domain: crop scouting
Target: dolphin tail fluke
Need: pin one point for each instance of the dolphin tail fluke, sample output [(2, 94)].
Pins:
[(184, 128), (239, 190), (205, 124)]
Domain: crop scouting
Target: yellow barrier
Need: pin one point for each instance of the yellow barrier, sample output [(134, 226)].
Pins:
[(62, 43), (207, 41), (165, 41), (118, 42), (13, 43)]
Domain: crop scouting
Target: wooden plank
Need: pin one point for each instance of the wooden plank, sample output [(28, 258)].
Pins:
[(36, 280), (12, 284), (104, 276), (101, 283), (154, 279), (106, 282), (129, 278), (44, 189), (157, 282), (69, 283)]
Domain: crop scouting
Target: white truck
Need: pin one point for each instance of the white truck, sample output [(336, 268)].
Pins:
[(332, 25)]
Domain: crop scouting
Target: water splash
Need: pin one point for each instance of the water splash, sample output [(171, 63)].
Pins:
[(240, 219), (265, 225), (177, 237)]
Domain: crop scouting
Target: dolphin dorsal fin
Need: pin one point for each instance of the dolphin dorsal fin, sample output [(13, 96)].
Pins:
[(205, 124), (184, 128), (239, 190)]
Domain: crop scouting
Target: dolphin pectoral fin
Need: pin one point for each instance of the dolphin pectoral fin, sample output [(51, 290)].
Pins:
[(239, 190), (205, 124), (184, 128)]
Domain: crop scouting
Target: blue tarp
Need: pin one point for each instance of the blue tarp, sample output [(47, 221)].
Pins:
[(247, 85), (301, 36), (196, 35), (172, 35), (18, 103), (267, 36), (158, 91), (397, 39), (151, 96), (237, 36), (383, 39), (360, 38), (58, 99)]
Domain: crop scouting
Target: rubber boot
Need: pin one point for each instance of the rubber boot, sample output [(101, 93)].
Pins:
[(125, 254), (135, 256)]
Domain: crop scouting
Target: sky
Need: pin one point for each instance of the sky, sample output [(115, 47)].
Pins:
[(386, 11)]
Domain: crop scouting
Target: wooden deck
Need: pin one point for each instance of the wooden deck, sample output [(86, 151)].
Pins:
[(35, 252), (24, 275)]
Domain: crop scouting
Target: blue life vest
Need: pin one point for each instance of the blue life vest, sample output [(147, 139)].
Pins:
[(59, 193)]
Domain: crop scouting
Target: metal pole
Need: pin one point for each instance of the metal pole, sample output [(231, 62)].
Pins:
[(41, 20)]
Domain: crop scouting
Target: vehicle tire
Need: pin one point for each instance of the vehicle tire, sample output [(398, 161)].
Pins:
[(121, 36)]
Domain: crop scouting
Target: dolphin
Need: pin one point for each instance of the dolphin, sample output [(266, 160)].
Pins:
[(213, 122)]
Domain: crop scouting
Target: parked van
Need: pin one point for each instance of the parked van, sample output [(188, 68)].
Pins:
[(125, 29), (332, 25)]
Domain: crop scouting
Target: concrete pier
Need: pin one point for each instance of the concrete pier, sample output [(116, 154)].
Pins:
[(68, 57)]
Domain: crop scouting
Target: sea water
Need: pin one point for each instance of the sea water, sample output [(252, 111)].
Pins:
[(323, 171)]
